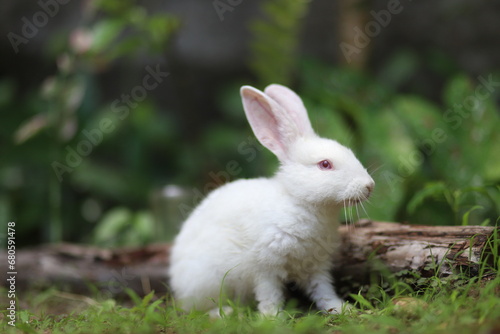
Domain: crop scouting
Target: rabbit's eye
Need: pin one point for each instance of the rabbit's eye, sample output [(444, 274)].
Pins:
[(325, 165)]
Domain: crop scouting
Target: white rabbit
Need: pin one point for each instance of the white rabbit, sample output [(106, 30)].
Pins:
[(250, 237)]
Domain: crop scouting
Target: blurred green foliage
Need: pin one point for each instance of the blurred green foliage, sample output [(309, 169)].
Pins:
[(433, 161), (48, 123), (121, 227), (276, 37)]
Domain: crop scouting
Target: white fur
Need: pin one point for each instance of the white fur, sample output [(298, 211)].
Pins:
[(251, 236)]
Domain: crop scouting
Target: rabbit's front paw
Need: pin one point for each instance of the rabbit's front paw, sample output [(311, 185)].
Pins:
[(269, 295), (337, 308), (331, 305), (269, 309)]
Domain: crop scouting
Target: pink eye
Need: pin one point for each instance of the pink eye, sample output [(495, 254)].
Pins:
[(325, 165)]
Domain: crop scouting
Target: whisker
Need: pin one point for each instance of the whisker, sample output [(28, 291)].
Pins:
[(376, 169), (349, 138), (368, 201), (371, 166), (346, 208), (357, 211), (345, 212), (348, 217), (352, 223), (351, 213), (366, 213)]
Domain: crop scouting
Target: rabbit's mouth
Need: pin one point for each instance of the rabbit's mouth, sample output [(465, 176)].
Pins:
[(353, 201), (358, 192), (352, 207)]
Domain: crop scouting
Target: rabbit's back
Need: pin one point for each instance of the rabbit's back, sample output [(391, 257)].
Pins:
[(228, 216)]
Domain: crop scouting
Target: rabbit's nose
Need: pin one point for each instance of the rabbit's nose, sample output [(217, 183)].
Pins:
[(369, 189)]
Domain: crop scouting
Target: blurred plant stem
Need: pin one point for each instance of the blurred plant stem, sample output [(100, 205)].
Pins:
[(55, 224), (61, 114)]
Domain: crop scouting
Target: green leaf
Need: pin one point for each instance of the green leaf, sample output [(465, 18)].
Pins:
[(388, 138), (465, 217), (134, 296), (31, 128), (486, 222), (456, 90), (112, 224), (159, 27), (362, 301), (147, 298), (420, 116), (430, 190), (104, 33), (125, 47), (144, 226)]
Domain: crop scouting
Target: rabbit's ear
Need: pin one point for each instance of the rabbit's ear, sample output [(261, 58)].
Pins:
[(273, 125), (293, 105)]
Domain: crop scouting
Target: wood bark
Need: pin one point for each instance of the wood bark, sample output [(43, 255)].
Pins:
[(376, 247), (366, 247)]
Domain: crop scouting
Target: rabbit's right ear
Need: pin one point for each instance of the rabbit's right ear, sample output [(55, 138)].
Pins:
[(275, 127)]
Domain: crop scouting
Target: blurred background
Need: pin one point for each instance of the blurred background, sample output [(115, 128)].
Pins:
[(118, 116)]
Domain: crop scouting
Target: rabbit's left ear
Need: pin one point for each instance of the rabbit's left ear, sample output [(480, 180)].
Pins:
[(293, 105)]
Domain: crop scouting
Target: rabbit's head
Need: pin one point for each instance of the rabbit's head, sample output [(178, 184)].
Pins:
[(313, 169)]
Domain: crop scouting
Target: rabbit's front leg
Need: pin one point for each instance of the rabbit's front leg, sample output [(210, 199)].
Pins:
[(269, 294), (320, 289)]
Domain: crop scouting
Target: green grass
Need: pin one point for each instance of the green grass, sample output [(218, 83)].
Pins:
[(442, 306), (402, 303)]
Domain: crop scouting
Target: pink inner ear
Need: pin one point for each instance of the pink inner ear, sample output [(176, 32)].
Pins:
[(265, 127)]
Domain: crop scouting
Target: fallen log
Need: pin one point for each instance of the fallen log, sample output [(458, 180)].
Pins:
[(370, 247), (366, 246)]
